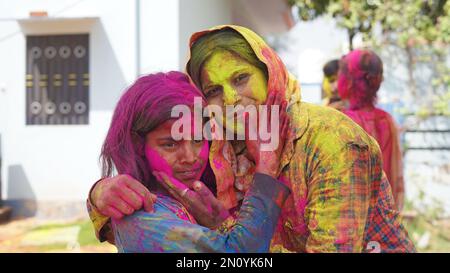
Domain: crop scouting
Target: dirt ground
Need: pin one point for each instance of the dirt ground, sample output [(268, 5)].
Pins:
[(33, 235), (77, 236)]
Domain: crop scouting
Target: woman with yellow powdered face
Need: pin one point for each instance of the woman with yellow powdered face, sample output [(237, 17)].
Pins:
[(340, 199), (329, 86)]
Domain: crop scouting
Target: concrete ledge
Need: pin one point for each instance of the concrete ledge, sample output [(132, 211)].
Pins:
[(47, 210), (5, 214)]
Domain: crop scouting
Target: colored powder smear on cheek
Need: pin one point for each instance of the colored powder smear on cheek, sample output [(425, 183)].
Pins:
[(258, 84), (327, 86), (230, 96), (157, 162)]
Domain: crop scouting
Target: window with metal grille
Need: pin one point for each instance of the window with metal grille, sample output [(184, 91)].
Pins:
[(57, 79)]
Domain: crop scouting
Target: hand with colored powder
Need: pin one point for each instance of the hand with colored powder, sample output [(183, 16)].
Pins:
[(267, 161), (199, 201), (121, 195)]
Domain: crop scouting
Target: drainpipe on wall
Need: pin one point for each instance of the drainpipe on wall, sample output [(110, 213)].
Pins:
[(138, 38), (1, 199)]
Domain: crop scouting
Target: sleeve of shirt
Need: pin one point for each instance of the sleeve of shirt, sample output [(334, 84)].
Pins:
[(164, 231), (102, 224), (338, 200)]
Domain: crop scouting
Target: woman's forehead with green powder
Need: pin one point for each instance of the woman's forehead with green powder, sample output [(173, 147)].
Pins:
[(224, 68), (226, 39)]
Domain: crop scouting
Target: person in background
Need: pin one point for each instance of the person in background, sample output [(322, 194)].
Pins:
[(360, 77), (330, 93)]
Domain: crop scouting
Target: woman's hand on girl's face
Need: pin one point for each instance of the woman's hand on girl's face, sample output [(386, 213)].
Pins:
[(268, 162), (121, 195), (199, 201)]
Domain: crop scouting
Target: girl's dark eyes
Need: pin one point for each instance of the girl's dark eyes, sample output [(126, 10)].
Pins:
[(238, 80), (241, 78), (169, 145), (213, 91)]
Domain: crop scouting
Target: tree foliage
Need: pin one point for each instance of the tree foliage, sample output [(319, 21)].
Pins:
[(418, 31)]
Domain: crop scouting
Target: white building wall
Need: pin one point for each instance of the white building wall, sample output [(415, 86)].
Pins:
[(160, 35), (197, 15), (60, 162)]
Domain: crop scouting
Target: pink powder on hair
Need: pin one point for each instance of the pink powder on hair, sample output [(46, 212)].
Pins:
[(145, 105), (360, 77)]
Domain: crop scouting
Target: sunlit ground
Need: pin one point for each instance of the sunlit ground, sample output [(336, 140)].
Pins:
[(31, 235), (427, 228), (430, 236)]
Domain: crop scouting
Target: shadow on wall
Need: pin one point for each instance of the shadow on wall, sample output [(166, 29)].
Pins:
[(21, 196), (108, 81)]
